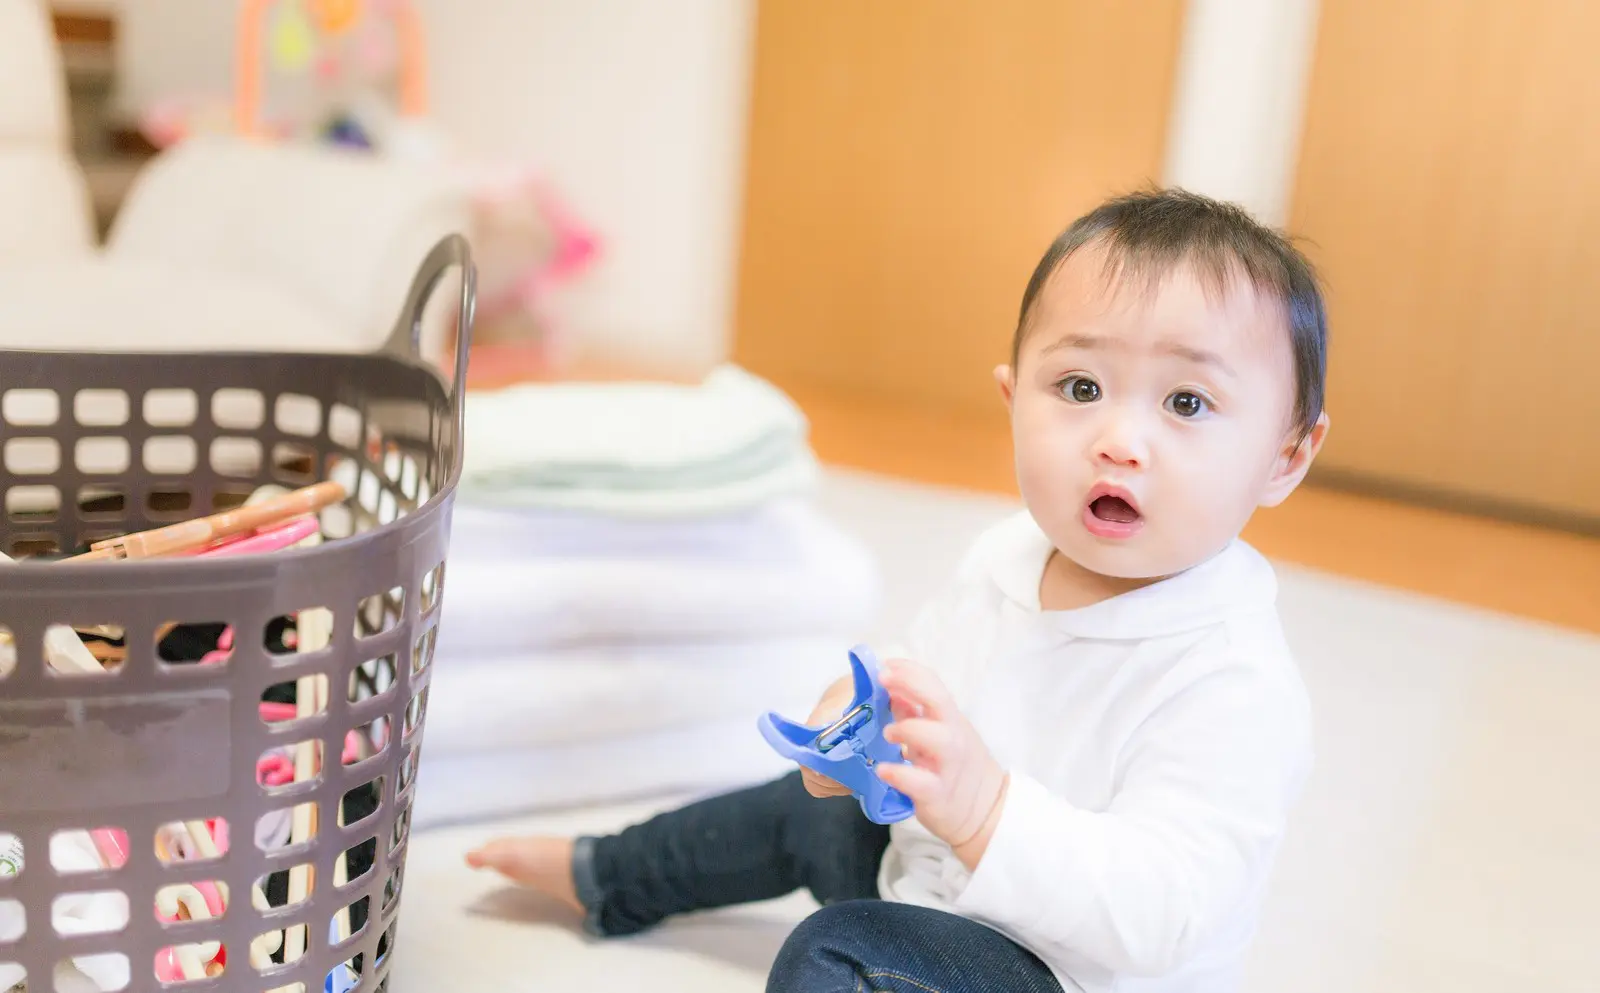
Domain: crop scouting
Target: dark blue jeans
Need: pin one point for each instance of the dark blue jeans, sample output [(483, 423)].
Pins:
[(771, 840)]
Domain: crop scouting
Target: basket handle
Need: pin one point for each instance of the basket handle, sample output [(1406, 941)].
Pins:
[(405, 341)]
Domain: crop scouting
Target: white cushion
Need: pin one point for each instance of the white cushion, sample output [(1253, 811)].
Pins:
[(340, 231), (124, 305), (45, 213), (33, 99), (44, 208)]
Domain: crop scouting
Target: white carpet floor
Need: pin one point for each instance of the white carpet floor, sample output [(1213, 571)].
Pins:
[(1448, 841)]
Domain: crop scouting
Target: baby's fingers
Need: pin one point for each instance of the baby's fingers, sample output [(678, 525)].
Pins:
[(911, 684), (914, 782), (821, 786), (924, 742)]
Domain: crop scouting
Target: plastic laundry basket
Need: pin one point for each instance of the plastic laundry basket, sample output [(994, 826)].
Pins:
[(112, 443)]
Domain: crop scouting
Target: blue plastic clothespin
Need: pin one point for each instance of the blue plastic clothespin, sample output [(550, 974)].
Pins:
[(340, 980), (847, 749)]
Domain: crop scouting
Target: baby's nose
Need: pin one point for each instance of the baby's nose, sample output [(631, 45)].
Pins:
[(1121, 445), (1121, 455)]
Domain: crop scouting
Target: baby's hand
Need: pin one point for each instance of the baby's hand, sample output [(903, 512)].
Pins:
[(953, 780), (828, 710)]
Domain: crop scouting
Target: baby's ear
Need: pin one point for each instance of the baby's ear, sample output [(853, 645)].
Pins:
[(1003, 376), (1294, 462)]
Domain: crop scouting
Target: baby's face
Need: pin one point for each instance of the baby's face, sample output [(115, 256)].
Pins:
[(1149, 424)]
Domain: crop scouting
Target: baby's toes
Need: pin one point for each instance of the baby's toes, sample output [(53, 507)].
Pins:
[(543, 864)]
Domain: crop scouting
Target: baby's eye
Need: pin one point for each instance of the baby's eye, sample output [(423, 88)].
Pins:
[(1187, 404), (1079, 389)]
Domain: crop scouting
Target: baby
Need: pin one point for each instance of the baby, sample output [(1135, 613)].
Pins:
[(1104, 727)]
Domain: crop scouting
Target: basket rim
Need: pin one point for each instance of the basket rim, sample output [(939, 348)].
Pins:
[(402, 346)]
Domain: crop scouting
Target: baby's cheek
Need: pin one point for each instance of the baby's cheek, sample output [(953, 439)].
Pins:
[(1213, 501), (1044, 478)]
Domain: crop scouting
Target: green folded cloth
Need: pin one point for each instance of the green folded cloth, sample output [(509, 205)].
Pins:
[(649, 448)]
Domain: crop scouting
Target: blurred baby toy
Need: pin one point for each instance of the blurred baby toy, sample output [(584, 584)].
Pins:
[(352, 74)]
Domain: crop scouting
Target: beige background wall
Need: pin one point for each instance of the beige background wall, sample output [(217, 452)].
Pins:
[(1449, 185)]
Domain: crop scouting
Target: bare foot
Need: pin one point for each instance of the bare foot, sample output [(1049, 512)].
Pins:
[(541, 864)]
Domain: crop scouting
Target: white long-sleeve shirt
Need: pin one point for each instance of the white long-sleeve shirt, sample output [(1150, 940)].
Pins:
[(1155, 743)]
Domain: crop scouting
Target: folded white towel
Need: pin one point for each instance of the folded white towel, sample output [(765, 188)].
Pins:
[(804, 578), (776, 532), (498, 532), (577, 695), (649, 449), (797, 477), (454, 789)]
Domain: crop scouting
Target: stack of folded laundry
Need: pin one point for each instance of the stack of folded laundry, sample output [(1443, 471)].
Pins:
[(636, 573)]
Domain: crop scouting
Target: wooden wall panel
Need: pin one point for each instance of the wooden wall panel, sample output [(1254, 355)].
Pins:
[(908, 162), (1449, 182)]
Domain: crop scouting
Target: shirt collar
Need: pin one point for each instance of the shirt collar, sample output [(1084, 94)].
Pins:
[(1237, 579)]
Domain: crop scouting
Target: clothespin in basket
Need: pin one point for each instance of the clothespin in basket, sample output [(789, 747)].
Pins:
[(313, 632), (268, 539), (112, 845), (190, 961), (203, 901), (187, 536)]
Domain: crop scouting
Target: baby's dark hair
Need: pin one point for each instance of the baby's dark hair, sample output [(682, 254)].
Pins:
[(1147, 234)]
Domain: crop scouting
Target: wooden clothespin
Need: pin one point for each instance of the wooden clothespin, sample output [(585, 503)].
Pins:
[(65, 650), (174, 539), (313, 632)]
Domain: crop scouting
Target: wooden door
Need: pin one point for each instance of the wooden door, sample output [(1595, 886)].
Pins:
[(1449, 184), (909, 160)]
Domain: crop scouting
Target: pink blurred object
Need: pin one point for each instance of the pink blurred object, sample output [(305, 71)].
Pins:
[(329, 69), (165, 124), (530, 241), (377, 54)]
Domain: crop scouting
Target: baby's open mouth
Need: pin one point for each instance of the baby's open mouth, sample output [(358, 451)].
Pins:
[(1112, 513), (1114, 509)]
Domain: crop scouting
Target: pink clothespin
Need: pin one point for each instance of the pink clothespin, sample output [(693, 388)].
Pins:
[(352, 748), (202, 901), (277, 713), (112, 845), (275, 538), (219, 834), (276, 765)]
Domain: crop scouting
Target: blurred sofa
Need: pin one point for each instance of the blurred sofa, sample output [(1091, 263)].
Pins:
[(222, 243)]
